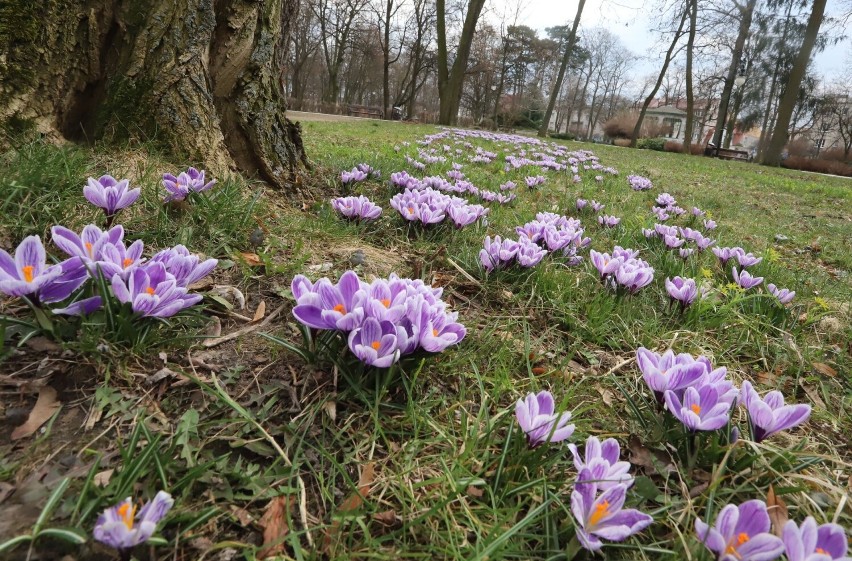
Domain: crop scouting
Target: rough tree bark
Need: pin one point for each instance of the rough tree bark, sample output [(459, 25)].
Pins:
[(569, 51), (198, 76), (791, 90), (690, 93)]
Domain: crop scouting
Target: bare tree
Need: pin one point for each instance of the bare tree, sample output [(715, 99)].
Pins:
[(566, 58), (336, 19), (451, 78), (690, 94)]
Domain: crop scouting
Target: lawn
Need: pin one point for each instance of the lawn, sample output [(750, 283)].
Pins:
[(275, 441)]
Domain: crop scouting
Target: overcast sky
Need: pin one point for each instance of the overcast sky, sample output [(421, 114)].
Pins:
[(630, 21)]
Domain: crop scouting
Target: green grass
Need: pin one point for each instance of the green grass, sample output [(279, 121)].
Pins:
[(453, 476)]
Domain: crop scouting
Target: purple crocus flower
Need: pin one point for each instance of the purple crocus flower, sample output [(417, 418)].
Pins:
[(697, 212), (725, 254), (328, 306), (673, 242), (709, 224), (27, 272), (353, 176), (463, 214), (770, 415), (784, 295), (665, 200), (604, 263), (89, 243), (529, 253), (438, 329), (703, 243), (370, 170), (508, 186), (357, 208), (152, 292), (187, 268), (741, 533), (498, 253), (540, 423), (685, 252), (596, 206), (660, 213), (581, 204), (639, 183), (608, 221), (700, 409), (747, 259), (110, 194), (602, 460), (745, 280), (649, 233), (83, 307), (189, 181), (374, 343), (669, 372), (123, 528), (634, 275), (682, 290), (73, 273), (811, 542), (115, 258), (603, 516)]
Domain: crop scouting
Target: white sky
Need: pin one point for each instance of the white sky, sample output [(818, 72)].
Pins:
[(630, 21)]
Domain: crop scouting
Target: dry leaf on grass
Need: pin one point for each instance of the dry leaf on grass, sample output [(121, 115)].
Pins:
[(102, 478), (777, 509), (387, 517), (251, 259), (823, 368), (46, 405), (260, 311), (351, 503), (275, 527), (330, 408), (653, 461)]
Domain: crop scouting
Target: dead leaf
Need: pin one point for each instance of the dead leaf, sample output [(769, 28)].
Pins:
[(538, 370), (698, 489), (43, 345), (824, 369), (242, 515), (159, 376), (814, 395), (46, 405), (251, 259), (387, 517), (653, 461), (351, 503), (6, 490), (213, 327), (474, 492), (260, 311), (275, 527), (777, 509), (330, 407), (606, 396), (102, 478)]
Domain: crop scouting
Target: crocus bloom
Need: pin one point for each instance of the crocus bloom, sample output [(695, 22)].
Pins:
[(89, 243), (109, 194), (353, 176), (601, 459), (358, 208), (72, 274), (81, 307), (529, 253), (745, 280), (114, 258), (685, 252), (498, 253), (603, 516), (673, 242), (581, 204), (703, 243), (596, 206), (770, 415), (700, 409), (604, 263), (698, 212), (784, 295), (123, 528), (152, 292), (814, 543), (639, 183), (747, 259), (726, 253), (741, 533), (709, 224), (660, 213), (649, 233), (326, 305), (374, 343), (537, 419), (682, 290), (634, 275), (27, 272), (668, 372), (189, 181), (608, 221), (186, 267), (665, 200)]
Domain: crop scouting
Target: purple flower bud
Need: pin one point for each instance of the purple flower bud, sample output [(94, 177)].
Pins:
[(536, 416)]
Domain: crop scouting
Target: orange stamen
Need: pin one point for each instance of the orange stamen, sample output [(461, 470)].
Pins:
[(386, 302), (150, 290), (340, 308), (600, 511), (28, 272), (375, 345), (127, 512), (434, 333), (695, 408), (821, 551), (89, 248), (128, 262)]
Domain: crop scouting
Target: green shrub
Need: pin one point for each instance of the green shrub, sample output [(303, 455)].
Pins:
[(563, 136), (657, 144)]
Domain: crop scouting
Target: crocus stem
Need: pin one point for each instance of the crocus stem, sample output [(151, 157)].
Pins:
[(109, 220), (124, 554), (573, 548)]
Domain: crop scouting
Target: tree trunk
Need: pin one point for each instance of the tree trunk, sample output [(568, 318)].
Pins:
[(690, 94), (196, 76), (451, 80), (566, 58), (745, 23), (791, 91), (638, 126)]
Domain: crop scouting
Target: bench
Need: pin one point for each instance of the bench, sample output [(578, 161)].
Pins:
[(365, 112), (727, 153)]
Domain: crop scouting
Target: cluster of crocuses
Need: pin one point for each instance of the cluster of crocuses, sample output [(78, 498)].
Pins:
[(600, 489), (179, 188), (639, 183), (428, 206), (622, 269), (593, 204), (383, 320), (675, 237), (534, 181), (549, 232), (702, 397), (742, 533), (358, 208), (154, 288), (743, 278), (359, 173)]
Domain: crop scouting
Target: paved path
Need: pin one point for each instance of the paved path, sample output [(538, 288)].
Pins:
[(325, 117)]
